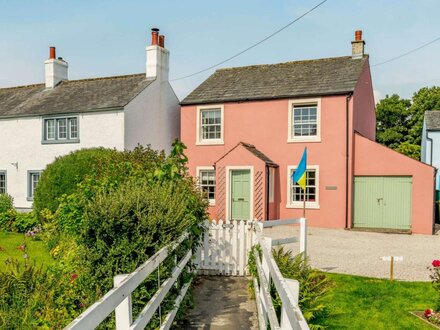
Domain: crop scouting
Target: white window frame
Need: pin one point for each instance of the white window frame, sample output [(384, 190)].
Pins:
[(69, 124), (299, 204), (4, 172), (56, 139), (199, 139), (271, 184), (30, 186), (313, 138), (207, 168)]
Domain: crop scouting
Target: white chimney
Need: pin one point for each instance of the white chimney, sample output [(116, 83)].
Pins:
[(358, 45), (55, 69), (158, 57)]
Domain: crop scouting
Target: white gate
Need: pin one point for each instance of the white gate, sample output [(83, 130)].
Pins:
[(225, 247), (226, 244)]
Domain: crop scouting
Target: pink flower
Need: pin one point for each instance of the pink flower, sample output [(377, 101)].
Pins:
[(428, 313), (436, 263), (21, 248)]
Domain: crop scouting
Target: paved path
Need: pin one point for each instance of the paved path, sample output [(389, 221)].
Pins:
[(221, 303), (359, 253)]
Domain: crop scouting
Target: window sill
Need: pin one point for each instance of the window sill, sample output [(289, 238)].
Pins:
[(59, 141), (30, 199), (303, 140), (212, 203), (300, 205), (209, 143)]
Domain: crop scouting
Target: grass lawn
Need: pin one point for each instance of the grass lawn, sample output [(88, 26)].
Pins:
[(369, 303), (36, 250)]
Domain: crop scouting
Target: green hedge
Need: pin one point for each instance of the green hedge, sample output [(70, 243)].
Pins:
[(6, 203)]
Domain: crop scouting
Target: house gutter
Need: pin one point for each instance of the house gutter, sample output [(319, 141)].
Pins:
[(430, 146), (267, 192), (347, 101)]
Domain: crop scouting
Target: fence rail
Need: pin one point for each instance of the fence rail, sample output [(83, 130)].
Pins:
[(287, 289), (118, 299)]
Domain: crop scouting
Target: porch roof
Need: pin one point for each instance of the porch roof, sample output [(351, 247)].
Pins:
[(251, 148)]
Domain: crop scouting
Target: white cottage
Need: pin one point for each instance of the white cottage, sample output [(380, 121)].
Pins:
[(431, 142), (40, 122)]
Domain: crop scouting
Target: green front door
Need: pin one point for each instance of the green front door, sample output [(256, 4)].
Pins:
[(240, 194), (382, 202)]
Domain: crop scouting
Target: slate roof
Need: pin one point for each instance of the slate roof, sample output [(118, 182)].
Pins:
[(327, 76), (251, 148), (74, 96), (432, 119)]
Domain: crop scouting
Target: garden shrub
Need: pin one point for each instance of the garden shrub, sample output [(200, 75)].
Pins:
[(314, 285), (61, 176), (18, 222), (6, 203)]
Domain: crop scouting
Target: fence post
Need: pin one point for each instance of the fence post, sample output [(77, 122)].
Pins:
[(303, 237), (123, 311)]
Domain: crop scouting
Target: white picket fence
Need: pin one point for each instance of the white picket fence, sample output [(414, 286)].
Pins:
[(224, 251), (226, 244), (225, 247)]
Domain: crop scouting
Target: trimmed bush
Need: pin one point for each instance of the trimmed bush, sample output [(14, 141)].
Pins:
[(18, 222), (62, 176), (6, 203)]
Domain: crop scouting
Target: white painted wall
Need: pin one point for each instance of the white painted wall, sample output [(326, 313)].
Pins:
[(20, 141), (153, 117), (426, 156)]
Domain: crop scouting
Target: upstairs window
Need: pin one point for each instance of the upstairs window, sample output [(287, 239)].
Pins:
[(61, 130), (210, 125), (304, 121), (2, 182), (33, 178)]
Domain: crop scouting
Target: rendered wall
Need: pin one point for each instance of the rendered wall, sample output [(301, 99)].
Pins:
[(265, 125), (153, 117), (95, 129)]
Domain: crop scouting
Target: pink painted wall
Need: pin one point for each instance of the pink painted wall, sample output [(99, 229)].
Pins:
[(242, 157), (372, 158), (265, 125), (364, 116)]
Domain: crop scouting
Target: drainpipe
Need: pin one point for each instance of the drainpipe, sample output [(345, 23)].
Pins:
[(267, 192), (430, 147), (347, 101)]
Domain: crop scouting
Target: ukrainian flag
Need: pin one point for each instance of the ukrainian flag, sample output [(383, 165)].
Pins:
[(299, 176)]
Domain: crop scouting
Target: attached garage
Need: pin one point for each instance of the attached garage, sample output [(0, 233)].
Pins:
[(383, 202), (390, 190)]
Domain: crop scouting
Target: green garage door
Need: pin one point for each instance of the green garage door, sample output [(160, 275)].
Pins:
[(382, 202)]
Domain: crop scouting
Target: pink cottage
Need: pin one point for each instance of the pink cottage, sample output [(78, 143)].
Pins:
[(246, 129)]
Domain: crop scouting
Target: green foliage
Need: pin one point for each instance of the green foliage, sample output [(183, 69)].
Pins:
[(400, 121), (61, 176), (314, 285), (18, 222), (6, 203)]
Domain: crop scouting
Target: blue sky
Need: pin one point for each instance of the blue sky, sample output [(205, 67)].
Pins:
[(104, 38)]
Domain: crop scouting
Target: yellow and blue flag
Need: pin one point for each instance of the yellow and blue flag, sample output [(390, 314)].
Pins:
[(299, 176)]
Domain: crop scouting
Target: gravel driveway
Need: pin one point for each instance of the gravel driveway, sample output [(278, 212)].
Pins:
[(359, 253)]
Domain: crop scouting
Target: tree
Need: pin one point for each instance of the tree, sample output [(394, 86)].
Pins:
[(400, 121)]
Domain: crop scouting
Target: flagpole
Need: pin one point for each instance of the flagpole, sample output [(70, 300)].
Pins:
[(304, 203)]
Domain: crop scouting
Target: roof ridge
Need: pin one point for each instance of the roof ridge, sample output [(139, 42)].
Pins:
[(76, 80), (291, 62)]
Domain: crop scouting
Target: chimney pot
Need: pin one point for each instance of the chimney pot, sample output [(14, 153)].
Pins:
[(358, 35), (162, 41), (154, 36), (52, 53)]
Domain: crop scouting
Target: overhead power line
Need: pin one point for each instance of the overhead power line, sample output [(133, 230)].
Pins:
[(254, 45), (408, 52)]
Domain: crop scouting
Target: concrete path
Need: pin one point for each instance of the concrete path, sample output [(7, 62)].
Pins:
[(221, 303), (359, 253)]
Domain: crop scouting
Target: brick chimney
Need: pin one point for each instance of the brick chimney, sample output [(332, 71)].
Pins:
[(358, 45), (158, 57), (55, 69)]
